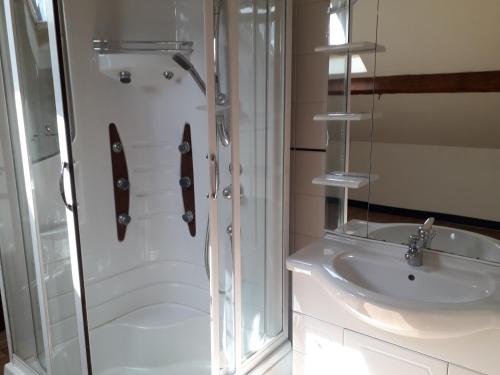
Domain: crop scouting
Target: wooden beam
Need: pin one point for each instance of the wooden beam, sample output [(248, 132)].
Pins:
[(421, 83)]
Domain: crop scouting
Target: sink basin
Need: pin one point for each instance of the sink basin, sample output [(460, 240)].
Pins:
[(396, 280), (371, 282)]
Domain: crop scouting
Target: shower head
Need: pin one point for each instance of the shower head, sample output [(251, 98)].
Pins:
[(185, 64)]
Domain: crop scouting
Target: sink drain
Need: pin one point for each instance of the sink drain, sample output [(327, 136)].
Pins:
[(411, 277)]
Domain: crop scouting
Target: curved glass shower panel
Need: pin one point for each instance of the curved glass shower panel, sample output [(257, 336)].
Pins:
[(16, 258), (37, 84), (262, 57), (37, 160), (137, 95), (252, 169)]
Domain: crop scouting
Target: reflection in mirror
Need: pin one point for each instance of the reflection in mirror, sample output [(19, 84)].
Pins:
[(436, 148), (35, 70), (37, 11), (360, 65)]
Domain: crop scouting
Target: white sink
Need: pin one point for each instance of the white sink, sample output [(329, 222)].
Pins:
[(448, 296), (394, 279), (450, 240)]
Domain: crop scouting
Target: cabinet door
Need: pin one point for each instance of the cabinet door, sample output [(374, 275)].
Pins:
[(369, 356), (456, 370), (313, 336)]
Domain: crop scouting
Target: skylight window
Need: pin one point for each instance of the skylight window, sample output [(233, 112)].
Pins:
[(38, 11), (337, 35), (337, 65)]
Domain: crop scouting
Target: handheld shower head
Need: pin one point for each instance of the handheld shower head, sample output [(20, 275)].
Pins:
[(182, 61), (185, 64)]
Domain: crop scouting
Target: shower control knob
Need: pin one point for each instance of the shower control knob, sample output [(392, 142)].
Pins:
[(228, 192), (185, 182), (168, 75), (124, 219), (188, 217), (117, 147), (184, 148), (123, 184), (125, 77)]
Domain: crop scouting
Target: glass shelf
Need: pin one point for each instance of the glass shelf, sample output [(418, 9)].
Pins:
[(102, 46), (344, 116), (343, 179), (359, 47)]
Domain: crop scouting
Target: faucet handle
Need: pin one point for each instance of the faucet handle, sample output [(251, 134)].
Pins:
[(428, 224)]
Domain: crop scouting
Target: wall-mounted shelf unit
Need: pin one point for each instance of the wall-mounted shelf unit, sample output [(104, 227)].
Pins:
[(358, 47), (344, 116), (345, 180), (103, 46)]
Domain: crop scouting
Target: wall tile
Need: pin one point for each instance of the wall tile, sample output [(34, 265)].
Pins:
[(308, 165), (310, 29), (301, 241), (311, 77), (309, 215), (309, 133)]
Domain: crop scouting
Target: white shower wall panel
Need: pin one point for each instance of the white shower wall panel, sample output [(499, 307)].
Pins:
[(158, 261)]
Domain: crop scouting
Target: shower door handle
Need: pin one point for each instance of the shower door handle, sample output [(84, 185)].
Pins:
[(214, 176), (62, 191)]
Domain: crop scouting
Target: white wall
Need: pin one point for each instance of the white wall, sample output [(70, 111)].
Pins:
[(451, 180), (445, 36)]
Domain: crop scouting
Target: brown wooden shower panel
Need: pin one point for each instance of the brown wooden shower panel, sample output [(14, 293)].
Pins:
[(187, 176), (121, 185)]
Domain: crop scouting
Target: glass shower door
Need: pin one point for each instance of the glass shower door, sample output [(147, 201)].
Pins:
[(262, 156), (37, 129)]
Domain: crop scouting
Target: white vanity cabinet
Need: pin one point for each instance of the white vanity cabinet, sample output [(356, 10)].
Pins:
[(321, 348), (377, 357)]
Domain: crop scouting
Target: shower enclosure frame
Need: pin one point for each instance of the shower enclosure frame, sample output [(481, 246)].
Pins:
[(275, 348)]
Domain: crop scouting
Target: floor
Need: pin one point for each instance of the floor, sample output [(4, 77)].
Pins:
[(4, 351)]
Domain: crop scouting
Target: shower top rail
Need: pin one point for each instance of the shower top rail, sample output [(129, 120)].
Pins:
[(103, 46)]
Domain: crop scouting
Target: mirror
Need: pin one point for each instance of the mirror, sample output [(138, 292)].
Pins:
[(363, 22), (435, 150)]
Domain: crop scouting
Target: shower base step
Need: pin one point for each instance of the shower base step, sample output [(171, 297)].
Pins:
[(187, 368), (158, 316)]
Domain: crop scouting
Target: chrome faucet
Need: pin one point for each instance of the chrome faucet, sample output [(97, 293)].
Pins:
[(415, 253), (418, 242)]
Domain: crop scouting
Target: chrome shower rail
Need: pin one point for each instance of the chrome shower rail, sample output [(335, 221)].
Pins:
[(128, 46)]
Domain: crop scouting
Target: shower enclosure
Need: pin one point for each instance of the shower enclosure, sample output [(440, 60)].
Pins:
[(144, 177)]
